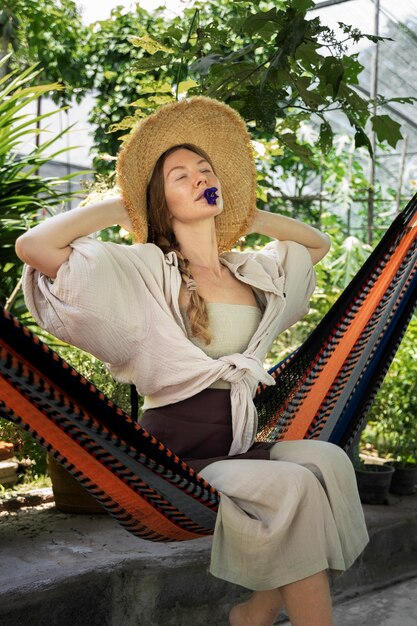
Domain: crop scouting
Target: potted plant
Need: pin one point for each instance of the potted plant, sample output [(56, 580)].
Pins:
[(404, 459), (392, 424), (405, 483), (399, 447), (373, 479)]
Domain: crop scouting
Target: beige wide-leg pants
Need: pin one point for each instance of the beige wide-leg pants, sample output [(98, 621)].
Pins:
[(287, 518)]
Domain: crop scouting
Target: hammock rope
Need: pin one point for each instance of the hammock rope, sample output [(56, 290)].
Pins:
[(328, 360), (323, 390)]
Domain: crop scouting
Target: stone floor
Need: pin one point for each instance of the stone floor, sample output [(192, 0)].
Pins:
[(395, 605), (86, 570)]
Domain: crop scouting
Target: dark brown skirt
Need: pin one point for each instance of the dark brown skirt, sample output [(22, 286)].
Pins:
[(199, 429)]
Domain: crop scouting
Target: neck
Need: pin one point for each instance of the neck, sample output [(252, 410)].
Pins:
[(200, 247)]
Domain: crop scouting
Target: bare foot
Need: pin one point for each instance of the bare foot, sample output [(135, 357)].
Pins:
[(244, 615), (239, 616)]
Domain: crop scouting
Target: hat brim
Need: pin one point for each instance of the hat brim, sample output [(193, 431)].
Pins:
[(221, 133)]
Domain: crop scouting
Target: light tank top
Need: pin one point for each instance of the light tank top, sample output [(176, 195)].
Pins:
[(231, 327)]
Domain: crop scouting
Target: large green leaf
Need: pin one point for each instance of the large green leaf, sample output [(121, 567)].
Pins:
[(301, 151), (153, 62), (150, 45), (331, 73), (386, 129), (301, 5), (362, 140), (310, 96), (23, 191), (263, 21), (325, 137)]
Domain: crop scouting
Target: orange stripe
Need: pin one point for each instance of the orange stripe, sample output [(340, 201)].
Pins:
[(90, 467), (306, 412), (79, 406)]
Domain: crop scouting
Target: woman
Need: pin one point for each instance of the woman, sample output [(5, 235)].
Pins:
[(189, 322)]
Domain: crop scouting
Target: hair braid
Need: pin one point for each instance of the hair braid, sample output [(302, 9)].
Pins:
[(196, 309)]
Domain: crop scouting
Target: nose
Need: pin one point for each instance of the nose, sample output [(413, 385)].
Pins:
[(200, 179)]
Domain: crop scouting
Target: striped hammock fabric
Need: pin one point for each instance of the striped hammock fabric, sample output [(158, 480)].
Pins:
[(323, 391)]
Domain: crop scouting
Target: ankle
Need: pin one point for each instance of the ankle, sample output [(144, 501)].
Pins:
[(249, 614)]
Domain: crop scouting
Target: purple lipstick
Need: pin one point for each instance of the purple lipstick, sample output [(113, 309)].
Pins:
[(211, 195)]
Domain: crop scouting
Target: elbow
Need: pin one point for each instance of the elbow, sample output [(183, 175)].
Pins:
[(327, 244), (22, 248), (317, 254), (29, 249), (34, 253)]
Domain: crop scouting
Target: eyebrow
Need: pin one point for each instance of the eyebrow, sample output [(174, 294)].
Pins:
[(182, 167)]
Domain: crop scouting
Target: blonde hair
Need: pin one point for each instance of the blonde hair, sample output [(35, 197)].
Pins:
[(164, 237)]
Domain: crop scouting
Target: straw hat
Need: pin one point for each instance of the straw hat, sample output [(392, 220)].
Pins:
[(210, 125)]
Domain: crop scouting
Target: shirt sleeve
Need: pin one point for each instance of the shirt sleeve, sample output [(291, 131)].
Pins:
[(94, 302), (294, 264)]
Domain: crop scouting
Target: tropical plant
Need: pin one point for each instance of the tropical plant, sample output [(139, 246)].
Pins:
[(93, 369), (25, 195), (334, 273), (392, 424), (48, 34), (108, 60), (266, 59), (271, 63)]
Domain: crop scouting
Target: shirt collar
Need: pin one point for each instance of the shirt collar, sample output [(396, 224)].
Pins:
[(259, 271), (266, 275)]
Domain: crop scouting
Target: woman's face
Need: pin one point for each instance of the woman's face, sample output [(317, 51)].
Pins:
[(186, 176)]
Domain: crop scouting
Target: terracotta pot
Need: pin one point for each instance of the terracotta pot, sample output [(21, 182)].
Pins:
[(6, 450), (374, 482), (404, 481), (70, 496)]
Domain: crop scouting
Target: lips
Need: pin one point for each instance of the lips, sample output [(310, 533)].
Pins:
[(209, 194)]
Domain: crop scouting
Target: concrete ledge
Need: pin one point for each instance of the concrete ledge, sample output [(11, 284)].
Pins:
[(391, 554), (76, 570)]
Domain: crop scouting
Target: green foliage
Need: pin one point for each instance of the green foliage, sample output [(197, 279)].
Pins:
[(95, 371), (392, 424), (110, 50), (48, 34), (334, 273), (386, 129), (24, 193), (334, 183), (267, 60), (346, 260), (25, 447)]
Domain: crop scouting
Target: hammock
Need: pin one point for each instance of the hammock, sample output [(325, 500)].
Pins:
[(323, 391)]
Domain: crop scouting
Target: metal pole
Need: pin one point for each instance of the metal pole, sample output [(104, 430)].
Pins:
[(349, 195), (68, 157), (402, 167), (374, 91)]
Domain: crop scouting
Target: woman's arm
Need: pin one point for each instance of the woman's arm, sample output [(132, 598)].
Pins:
[(287, 229), (46, 246)]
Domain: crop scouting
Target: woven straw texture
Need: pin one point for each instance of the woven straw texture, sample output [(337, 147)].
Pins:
[(210, 125)]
